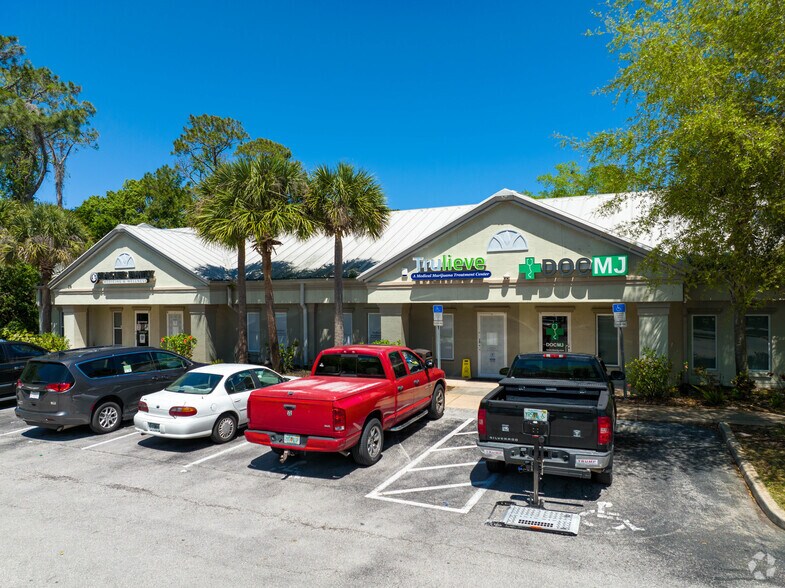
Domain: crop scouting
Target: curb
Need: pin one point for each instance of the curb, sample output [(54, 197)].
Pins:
[(762, 496)]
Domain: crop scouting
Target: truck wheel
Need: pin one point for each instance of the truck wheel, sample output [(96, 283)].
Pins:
[(436, 411), (495, 467), (369, 450), (605, 478)]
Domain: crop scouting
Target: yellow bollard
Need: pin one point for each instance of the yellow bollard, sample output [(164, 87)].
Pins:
[(466, 369)]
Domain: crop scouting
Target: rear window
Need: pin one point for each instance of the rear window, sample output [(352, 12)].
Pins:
[(363, 366), (583, 369), (43, 372), (195, 383)]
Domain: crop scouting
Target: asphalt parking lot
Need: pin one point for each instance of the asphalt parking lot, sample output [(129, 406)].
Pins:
[(122, 509)]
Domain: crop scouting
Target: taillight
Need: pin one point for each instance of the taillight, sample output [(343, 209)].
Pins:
[(604, 430), (481, 422), (182, 411), (554, 355), (143, 406), (339, 419), (18, 384), (59, 386)]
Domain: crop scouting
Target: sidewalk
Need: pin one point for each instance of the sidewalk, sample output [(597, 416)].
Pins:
[(467, 394)]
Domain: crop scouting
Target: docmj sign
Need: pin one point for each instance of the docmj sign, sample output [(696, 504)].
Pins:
[(600, 265)]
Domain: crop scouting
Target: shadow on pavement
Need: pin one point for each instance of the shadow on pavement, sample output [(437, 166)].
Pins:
[(72, 434)]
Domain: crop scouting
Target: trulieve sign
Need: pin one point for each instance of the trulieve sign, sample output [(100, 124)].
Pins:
[(448, 268), (600, 265)]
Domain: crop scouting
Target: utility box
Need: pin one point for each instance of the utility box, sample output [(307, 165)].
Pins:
[(466, 368)]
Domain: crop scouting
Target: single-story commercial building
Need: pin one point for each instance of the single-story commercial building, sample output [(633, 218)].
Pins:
[(512, 273)]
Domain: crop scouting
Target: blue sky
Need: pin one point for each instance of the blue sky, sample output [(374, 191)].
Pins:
[(445, 102)]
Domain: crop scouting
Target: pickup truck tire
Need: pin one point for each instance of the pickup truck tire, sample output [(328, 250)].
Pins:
[(495, 466), (605, 477), (436, 410), (369, 450)]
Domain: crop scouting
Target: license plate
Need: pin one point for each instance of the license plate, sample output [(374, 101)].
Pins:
[(155, 427), (493, 453), (535, 414), (291, 439), (34, 395)]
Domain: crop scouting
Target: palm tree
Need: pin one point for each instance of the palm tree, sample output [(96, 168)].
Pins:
[(213, 217), (273, 205), (46, 237), (346, 202)]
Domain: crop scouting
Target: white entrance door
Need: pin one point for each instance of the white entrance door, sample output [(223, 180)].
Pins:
[(491, 343)]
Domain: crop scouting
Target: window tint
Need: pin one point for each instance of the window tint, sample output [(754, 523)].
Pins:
[(399, 369), (557, 368), (22, 350), (414, 362), (134, 363), (364, 366), (758, 343), (100, 368), (267, 377), (240, 382), (41, 372), (607, 339), (704, 341), (167, 361), (195, 383)]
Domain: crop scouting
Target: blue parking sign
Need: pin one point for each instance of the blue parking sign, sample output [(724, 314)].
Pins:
[(620, 307), (438, 308)]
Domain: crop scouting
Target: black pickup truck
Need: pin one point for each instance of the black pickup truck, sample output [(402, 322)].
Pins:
[(573, 394)]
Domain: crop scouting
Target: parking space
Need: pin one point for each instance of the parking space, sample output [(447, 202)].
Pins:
[(677, 513)]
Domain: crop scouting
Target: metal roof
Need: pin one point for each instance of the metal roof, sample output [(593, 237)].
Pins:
[(313, 258)]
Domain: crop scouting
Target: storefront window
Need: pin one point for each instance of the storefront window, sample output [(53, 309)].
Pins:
[(253, 320), (174, 322), (607, 340), (555, 333), (374, 327), (758, 343), (347, 328), (447, 338), (704, 342), (117, 327), (280, 327)]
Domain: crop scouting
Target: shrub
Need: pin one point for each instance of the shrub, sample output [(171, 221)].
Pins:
[(743, 386), (48, 341), (183, 343), (288, 355), (777, 395), (710, 388), (649, 375), (386, 342)]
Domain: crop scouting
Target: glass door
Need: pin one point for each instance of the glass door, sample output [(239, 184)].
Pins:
[(491, 343)]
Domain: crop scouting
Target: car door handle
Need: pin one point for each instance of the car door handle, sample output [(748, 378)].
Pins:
[(417, 382), (400, 388), (238, 400)]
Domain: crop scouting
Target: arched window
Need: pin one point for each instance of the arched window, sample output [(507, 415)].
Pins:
[(507, 240), (124, 261)]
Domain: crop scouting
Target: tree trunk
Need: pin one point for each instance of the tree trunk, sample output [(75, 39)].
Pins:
[(59, 181), (39, 137), (269, 304), (740, 337), (338, 293), (46, 302), (241, 353)]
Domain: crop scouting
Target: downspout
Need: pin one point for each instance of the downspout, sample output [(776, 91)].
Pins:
[(304, 310)]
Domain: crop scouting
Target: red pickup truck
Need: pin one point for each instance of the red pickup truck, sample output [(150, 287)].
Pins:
[(352, 396)]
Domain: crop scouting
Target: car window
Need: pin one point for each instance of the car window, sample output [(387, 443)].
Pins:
[(268, 377), (168, 361), (195, 383), (22, 351), (557, 368), (135, 363), (100, 368), (363, 366), (414, 362), (240, 382), (44, 372), (399, 368)]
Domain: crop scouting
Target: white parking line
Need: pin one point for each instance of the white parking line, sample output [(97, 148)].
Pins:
[(455, 448), (109, 440), (17, 431), (204, 459), (466, 433), (379, 492), (441, 467)]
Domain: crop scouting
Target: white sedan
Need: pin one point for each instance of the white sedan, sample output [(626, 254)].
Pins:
[(209, 401)]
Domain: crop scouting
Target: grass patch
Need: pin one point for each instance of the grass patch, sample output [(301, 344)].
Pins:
[(764, 447)]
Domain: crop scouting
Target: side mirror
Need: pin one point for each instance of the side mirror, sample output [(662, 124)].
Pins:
[(504, 371), (616, 375), (429, 363)]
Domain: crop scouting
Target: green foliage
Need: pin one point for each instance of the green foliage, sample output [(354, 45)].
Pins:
[(386, 342), (18, 308), (706, 140), (569, 180), (48, 341), (262, 147), (158, 199), (710, 388), (182, 343), (288, 355), (743, 386), (205, 143), (649, 375)]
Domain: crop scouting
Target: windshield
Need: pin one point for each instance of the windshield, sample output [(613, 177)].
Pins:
[(584, 369), (363, 366), (195, 383)]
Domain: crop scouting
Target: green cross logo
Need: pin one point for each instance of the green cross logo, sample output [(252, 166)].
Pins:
[(529, 268), (555, 331)]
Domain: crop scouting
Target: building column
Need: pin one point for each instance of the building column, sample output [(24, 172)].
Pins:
[(204, 351), (395, 322), (75, 326), (653, 328)]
